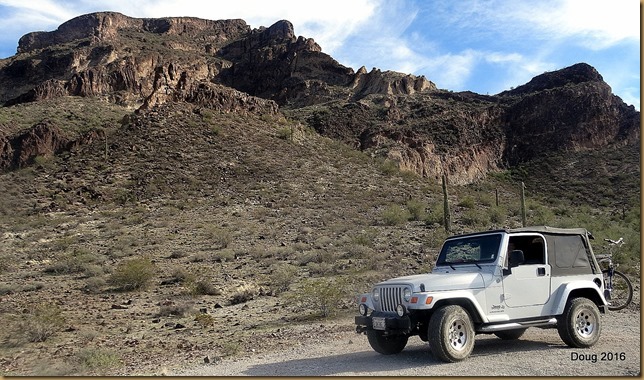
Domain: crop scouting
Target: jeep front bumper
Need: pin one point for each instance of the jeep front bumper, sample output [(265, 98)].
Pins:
[(388, 323)]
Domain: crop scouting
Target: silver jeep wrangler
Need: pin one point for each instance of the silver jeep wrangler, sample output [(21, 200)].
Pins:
[(495, 282)]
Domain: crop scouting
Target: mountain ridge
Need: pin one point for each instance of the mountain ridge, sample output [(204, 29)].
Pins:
[(141, 63)]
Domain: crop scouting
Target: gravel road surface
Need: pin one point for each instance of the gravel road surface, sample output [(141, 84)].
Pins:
[(539, 352)]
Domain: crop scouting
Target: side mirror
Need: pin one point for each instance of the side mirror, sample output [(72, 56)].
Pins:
[(516, 258)]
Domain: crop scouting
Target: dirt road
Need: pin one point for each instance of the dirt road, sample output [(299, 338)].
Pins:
[(538, 353)]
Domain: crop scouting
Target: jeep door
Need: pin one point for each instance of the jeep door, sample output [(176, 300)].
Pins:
[(528, 284)]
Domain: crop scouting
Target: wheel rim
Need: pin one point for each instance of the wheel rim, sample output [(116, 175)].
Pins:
[(585, 323), (458, 335)]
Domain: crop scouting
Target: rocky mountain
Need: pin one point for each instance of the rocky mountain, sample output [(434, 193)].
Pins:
[(227, 66)]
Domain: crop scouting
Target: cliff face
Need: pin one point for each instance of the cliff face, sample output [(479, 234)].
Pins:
[(226, 66)]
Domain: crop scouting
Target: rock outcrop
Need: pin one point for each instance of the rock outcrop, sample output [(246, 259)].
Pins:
[(229, 67)]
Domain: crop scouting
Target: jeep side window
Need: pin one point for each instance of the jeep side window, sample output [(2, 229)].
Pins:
[(535, 253), (532, 247)]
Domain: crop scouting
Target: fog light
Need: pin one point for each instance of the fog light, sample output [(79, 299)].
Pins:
[(362, 309), (401, 310)]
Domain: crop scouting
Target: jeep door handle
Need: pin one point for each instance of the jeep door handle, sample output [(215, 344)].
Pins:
[(541, 272)]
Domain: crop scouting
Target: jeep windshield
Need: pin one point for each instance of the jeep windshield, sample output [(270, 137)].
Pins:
[(481, 249)]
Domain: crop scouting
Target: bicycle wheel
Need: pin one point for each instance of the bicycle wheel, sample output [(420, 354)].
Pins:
[(621, 293)]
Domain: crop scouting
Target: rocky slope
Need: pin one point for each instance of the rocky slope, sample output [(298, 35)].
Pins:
[(139, 63)]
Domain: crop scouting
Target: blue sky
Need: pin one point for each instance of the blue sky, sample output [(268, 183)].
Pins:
[(485, 46)]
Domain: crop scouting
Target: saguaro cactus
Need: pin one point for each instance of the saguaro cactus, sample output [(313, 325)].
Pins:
[(446, 216)]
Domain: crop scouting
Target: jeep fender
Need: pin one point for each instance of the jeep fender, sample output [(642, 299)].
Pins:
[(580, 288), (463, 298)]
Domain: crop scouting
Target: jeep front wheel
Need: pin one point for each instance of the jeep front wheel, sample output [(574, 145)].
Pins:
[(451, 334), (386, 344), (580, 324)]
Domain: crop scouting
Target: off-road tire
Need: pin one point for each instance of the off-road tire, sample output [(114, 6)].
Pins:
[(386, 344), (451, 334), (580, 324), (510, 334)]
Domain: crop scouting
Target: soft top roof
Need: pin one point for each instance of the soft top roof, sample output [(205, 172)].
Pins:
[(551, 230), (538, 229)]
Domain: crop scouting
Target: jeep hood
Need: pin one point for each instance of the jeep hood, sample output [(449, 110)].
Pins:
[(441, 281)]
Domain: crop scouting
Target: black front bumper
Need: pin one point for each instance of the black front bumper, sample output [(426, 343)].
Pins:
[(393, 323)]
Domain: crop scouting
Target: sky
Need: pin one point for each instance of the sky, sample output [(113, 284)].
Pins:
[(484, 46)]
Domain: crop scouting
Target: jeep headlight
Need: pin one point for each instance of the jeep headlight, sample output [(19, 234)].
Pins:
[(375, 295), (407, 294)]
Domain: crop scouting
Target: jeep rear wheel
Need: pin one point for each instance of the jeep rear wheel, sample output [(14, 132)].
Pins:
[(580, 324), (386, 344), (451, 335), (510, 334)]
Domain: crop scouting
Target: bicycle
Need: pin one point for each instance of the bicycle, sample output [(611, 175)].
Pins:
[(618, 288)]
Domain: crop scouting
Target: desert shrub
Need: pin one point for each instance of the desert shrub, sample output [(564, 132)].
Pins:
[(416, 209), (230, 348), (77, 261), (224, 255), (133, 274), (98, 359), (36, 325), (203, 288), (474, 218), (325, 295), (497, 215), (204, 320), (365, 238), (242, 296), (466, 202), (8, 289), (540, 215), (389, 167), (435, 215), (181, 275), (486, 199), (174, 309), (178, 254), (220, 237), (94, 285), (394, 215), (320, 269), (374, 261), (285, 133), (281, 277)]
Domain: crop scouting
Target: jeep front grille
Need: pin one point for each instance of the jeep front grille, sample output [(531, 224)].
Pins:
[(390, 297)]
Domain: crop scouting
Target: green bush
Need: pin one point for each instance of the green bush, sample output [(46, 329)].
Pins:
[(285, 133), (395, 215), (466, 202), (204, 320), (220, 237), (416, 209), (36, 325), (133, 274), (203, 288), (281, 277), (78, 261), (101, 360), (324, 295)]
